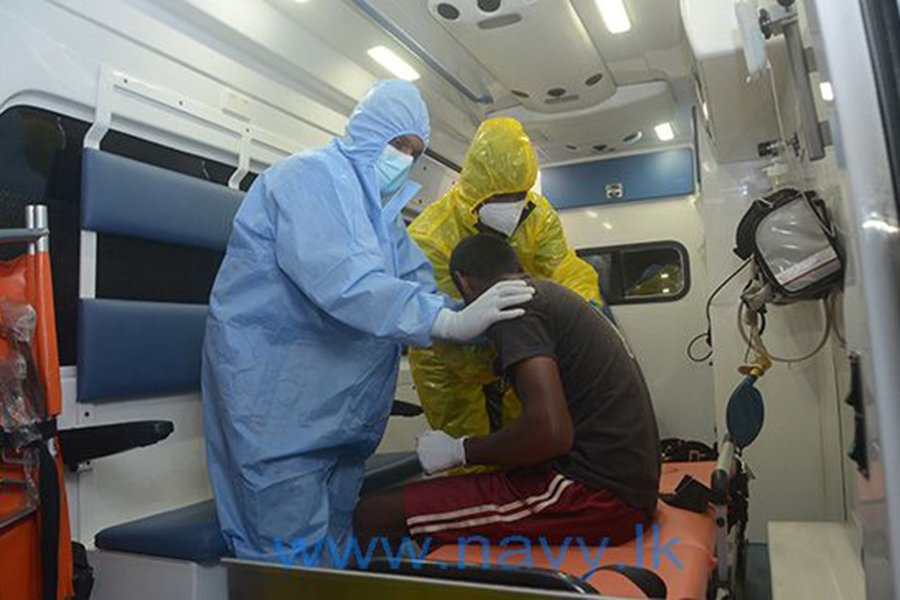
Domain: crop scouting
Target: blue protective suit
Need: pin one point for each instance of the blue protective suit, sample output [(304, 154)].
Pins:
[(319, 287)]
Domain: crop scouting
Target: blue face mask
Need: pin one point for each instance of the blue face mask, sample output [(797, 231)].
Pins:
[(393, 168)]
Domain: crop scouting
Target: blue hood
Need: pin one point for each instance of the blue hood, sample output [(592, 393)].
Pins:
[(391, 108)]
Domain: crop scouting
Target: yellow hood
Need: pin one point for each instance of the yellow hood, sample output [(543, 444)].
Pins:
[(500, 160)]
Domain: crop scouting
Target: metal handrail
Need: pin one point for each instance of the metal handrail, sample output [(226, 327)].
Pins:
[(23, 235)]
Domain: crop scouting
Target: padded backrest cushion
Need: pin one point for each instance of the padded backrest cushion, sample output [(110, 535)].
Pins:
[(127, 197), (133, 348), (128, 348)]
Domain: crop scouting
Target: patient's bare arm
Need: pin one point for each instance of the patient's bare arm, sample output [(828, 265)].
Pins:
[(544, 430)]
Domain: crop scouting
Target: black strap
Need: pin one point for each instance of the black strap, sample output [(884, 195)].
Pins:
[(529, 208), (11, 441), (48, 484), (401, 408), (48, 477), (651, 584), (690, 495), (82, 573), (493, 403)]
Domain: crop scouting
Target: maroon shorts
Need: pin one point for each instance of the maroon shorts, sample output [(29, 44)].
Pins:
[(535, 503)]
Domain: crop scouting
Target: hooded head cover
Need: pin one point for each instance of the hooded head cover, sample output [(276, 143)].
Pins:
[(500, 160), (391, 108)]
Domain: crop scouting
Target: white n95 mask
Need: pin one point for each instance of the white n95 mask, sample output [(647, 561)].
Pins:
[(502, 217)]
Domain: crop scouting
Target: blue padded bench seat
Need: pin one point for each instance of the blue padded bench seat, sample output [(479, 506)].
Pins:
[(187, 533), (134, 199), (192, 532)]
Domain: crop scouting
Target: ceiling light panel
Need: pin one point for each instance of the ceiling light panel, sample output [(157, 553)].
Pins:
[(393, 63), (541, 50), (654, 48), (664, 132), (615, 16)]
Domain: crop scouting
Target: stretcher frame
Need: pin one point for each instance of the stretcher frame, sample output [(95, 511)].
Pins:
[(250, 580), (730, 545), (8, 462), (37, 563), (258, 580)]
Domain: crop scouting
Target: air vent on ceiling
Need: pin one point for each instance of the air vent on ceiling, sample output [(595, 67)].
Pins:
[(609, 123), (500, 35), (447, 11), (562, 99), (489, 6), (501, 21), (633, 138)]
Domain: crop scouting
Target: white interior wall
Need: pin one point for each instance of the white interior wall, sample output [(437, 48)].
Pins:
[(801, 472), (797, 459), (435, 179), (659, 332), (827, 177)]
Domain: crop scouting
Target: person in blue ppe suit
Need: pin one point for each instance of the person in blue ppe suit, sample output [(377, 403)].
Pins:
[(319, 288)]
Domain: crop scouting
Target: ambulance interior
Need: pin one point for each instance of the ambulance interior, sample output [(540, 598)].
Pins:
[(656, 124)]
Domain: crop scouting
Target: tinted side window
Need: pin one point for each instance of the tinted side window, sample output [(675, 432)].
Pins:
[(638, 273)]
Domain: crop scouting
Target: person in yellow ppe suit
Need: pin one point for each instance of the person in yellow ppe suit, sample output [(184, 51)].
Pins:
[(458, 387)]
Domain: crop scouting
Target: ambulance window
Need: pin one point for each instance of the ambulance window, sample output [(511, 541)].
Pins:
[(640, 273)]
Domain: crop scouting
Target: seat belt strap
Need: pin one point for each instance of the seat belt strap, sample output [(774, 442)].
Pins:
[(651, 584)]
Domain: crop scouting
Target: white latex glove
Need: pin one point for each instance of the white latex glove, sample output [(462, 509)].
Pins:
[(492, 306), (440, 452)]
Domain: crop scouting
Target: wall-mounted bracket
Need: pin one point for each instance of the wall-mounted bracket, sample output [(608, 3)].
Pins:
[(784, 20)]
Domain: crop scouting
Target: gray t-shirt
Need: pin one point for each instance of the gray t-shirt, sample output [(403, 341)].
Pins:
[(616, 438)]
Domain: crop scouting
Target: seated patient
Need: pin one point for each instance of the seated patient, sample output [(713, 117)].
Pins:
[(582, 460)]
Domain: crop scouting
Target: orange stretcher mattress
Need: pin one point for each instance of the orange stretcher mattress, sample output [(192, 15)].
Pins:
[(680, 548)]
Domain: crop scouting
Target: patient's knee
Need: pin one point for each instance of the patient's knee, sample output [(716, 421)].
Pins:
[(380, 515)]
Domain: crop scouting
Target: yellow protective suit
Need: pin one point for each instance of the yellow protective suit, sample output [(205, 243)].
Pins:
[(449, 378)]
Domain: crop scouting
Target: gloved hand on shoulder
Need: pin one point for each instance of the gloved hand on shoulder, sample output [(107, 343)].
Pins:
[(493, 305)]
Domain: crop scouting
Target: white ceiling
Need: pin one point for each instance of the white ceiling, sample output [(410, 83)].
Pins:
[(551, 44)]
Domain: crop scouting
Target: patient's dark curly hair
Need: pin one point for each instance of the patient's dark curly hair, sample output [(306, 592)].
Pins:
[(485, 256)]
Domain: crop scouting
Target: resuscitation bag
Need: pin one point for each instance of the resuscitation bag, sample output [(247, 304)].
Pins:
[(791, 238)]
